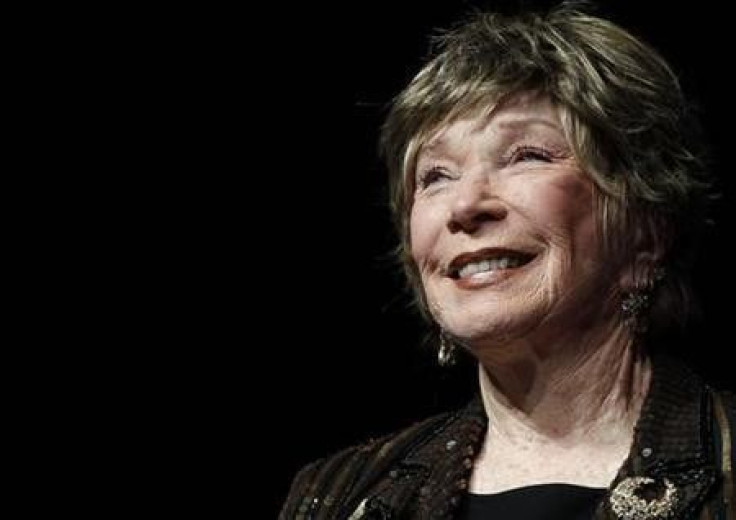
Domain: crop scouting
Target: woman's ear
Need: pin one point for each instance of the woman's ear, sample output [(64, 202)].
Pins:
[(646, 264), (644, 270)]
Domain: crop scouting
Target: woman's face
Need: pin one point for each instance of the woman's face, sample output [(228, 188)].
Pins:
[(502, 225)]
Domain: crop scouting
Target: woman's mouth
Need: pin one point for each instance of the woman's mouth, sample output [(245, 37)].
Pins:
[(487, 265)]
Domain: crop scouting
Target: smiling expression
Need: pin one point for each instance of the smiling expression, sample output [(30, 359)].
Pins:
[(502, 225)]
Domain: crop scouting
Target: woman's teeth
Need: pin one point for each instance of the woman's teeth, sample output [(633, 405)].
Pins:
[(494, 264)]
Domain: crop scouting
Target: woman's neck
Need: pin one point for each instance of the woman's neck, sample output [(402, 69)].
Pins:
[(560, 418), (566, 394)]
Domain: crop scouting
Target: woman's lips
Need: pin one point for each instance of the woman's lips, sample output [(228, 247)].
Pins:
[(489, 257), (490, 277)]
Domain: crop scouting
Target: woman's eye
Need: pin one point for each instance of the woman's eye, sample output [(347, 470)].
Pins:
[(431, 176), (530, 153)]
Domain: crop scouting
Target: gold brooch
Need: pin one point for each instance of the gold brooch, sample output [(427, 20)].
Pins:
[(644, 498)]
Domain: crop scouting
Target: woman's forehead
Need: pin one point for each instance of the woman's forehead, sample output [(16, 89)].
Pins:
[(517, 115)]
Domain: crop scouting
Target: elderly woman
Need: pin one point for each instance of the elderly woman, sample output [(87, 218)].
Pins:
[(548, 198)]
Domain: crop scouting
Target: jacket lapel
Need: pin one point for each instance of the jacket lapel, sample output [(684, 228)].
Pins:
[(671, 466)]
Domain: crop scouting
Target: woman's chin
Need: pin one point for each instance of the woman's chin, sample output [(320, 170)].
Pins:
[(473, 336)]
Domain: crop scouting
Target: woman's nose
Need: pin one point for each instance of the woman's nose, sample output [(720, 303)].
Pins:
[(473, 206)]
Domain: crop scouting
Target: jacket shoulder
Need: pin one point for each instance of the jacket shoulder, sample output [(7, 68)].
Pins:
[(331, 482)]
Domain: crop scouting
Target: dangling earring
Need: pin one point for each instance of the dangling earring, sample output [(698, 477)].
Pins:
[(636, 302), (446, 352)]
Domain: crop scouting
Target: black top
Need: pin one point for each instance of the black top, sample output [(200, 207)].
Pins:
[(546, 501)]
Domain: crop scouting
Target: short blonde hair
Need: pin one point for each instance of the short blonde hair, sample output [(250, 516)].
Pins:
[(622, 111)]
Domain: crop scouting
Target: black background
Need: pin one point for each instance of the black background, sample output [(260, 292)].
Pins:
[(327, 348), (209, 301)]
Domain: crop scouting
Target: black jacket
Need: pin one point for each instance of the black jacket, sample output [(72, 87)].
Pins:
[(683, 441)]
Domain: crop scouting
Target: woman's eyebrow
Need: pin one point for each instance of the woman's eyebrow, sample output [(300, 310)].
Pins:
[(437, 146)]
